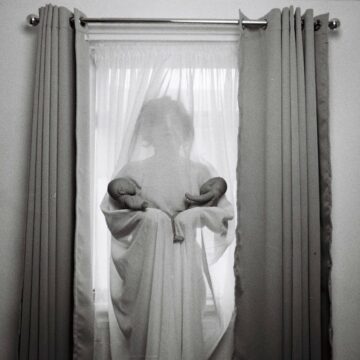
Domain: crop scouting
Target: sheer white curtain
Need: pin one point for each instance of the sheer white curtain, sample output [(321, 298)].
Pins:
[(204, 78)]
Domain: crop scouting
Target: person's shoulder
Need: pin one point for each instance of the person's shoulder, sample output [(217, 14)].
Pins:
[(130, 169), (199, 166), (201, 170)]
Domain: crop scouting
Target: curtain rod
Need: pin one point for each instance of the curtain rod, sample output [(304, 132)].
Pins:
[(34, 20)]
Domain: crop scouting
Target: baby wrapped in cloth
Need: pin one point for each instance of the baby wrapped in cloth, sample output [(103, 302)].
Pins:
[(161, 286)]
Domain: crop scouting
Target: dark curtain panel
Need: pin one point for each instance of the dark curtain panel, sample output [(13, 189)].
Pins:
[(46, 315), (283, 181), (322, 98)]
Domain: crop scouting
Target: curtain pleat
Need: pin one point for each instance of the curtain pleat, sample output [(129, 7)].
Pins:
[(278, 256), (83, 325), (322, 98), (46, 316)]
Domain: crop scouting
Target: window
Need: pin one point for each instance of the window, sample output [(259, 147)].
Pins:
[(204, 75)]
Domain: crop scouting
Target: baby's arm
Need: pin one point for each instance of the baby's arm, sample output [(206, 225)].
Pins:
[(210, 209), (210, 193), (125, 192)]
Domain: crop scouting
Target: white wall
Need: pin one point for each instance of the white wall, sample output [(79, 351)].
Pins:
[(17, 68)]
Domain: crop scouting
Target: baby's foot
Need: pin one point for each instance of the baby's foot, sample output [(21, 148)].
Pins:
[(178, 238)]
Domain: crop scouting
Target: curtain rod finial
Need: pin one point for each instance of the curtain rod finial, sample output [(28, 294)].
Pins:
[(32, 20), (334, 24)]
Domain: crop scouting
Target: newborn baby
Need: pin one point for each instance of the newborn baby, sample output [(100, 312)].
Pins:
[(126, 192)]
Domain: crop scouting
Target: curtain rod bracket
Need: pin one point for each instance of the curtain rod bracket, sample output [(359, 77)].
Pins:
[(334, 24), (32, 20)]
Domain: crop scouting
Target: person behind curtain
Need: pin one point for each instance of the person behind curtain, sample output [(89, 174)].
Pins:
[(161, 289)]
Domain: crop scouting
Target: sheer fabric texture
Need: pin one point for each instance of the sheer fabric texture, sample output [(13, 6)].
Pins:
[(167, 119)]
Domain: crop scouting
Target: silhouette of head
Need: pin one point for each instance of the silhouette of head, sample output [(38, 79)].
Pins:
[(165, 124)]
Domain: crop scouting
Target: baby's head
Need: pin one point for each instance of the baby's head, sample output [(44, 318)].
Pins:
[(165, 122)]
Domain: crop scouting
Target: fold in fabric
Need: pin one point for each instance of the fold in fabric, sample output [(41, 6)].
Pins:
[(163, 294), (322, 97), (278, 252), (158, 287), (83, 314)]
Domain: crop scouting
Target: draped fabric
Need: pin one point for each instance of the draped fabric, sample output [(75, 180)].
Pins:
[(203, 80), (164, 294), (281, 280), (322, 109), (83, 311), (47, 297), (46, 317), (157, 287)]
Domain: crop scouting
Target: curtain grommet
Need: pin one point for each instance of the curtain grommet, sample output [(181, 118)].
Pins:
[(82, 22), (317, 25), (72, 22), (256, 24)]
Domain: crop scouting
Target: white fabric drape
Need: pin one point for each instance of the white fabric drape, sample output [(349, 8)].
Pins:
[(205, 79)]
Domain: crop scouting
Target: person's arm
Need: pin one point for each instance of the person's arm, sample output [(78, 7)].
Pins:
[(125, 192)]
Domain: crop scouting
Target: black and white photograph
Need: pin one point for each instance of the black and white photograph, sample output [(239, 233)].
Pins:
[(180, 180)]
